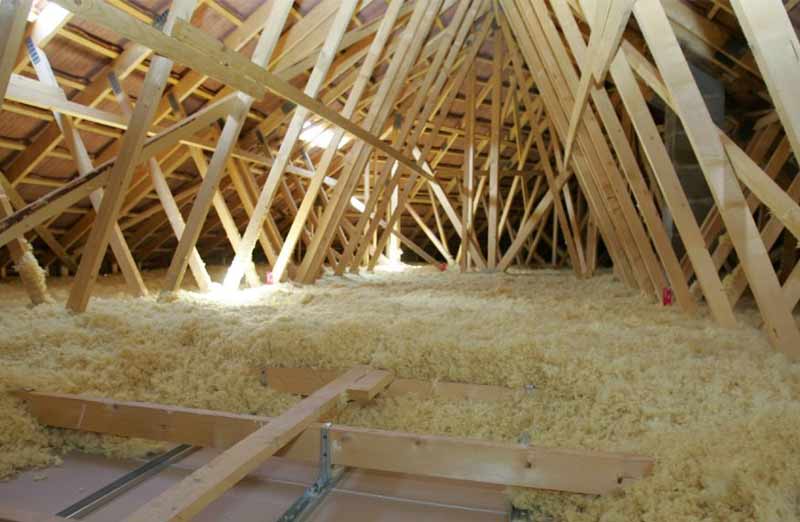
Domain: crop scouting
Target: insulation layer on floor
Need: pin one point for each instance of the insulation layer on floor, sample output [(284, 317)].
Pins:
[(717, 408)]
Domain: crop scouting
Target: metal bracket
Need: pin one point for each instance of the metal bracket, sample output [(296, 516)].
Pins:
[(329, 476), (111, 491)]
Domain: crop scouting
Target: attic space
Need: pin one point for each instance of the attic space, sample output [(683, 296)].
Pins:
[(474, 260)]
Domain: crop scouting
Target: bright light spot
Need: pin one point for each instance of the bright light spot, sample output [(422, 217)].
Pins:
[(220, 294), (320, 136), (392, 266)]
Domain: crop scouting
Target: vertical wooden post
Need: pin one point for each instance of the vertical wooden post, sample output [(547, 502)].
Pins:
[(469, 171), (494, 150)]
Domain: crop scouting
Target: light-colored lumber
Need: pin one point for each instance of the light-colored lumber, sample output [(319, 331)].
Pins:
[(304, 381), (84, 165), (122, 171), (170, 207), (629, 164), (509, 464), (13, 14), (244, 252), (468, 184), (188, 497), (611, 18), (234, 122), (719, 172), (776, 48), (494, 152), (55, 202)]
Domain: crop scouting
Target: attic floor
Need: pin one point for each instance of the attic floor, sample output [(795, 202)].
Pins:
[(718, 409), (264, 495)]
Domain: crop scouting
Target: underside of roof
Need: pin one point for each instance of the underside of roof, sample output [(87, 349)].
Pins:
[(656, 137)]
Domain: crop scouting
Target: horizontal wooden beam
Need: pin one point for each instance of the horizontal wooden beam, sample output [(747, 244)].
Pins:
[(305, 381), (577, 471)]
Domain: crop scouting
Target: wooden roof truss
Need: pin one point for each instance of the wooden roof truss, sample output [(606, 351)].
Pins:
[(549, 148)]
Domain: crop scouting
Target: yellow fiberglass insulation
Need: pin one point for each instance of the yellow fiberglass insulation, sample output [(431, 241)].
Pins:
[(719, 409)]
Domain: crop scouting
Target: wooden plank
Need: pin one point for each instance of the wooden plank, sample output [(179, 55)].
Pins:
[(494, 151), (13, 15), (168, 203), (736, 282), (509, 464), (781, 205), (234, 122), (35, 93), (333, 39), (55, 202), (468, 188), (304, 381), (188, 497), (708, 146), (776, 48), (122, 171), (630, 166), (365, 388), (84, 165)]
